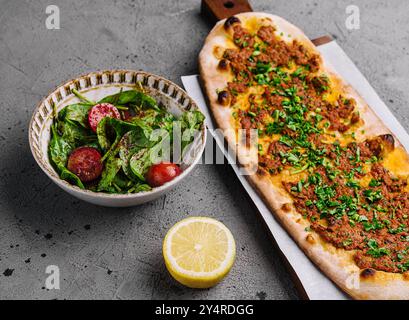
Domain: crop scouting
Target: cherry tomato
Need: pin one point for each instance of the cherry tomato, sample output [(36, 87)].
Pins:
[(159, 174), (85, 163), (100, 111)]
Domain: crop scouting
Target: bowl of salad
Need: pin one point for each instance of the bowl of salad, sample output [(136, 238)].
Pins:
[(117, 138)]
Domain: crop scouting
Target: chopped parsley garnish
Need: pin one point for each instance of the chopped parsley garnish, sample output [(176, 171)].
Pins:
[(374, 225), (286, 140), (373, 195), (375, 183), (374, 249), (401, 228)]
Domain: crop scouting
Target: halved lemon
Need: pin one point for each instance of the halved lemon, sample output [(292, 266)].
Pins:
[(199, 251)]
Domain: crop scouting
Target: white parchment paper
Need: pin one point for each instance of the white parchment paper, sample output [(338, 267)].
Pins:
[(315, 283)]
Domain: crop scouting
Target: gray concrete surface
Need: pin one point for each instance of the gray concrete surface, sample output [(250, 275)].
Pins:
[(116, 253)]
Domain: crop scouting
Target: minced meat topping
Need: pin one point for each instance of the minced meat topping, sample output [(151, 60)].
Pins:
[(309, 129)]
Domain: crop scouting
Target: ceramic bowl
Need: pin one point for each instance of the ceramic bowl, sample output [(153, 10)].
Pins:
[(95, 86)]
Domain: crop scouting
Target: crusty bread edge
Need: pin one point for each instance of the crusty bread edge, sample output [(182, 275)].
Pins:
[(337, 264)]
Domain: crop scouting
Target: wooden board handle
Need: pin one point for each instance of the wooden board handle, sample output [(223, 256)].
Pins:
[(321, 40), (216, 10)]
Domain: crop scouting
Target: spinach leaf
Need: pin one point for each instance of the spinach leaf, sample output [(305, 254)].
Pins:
[(149, 117), (102, 133), (71, 177), (131, 97), (122, 182), (147, 129), (112, 167), (75, 134), (131, 136), (166, 122), (140, 187), (140, 162), (142, 159), (59, 149), (191, 122), (161, 151), (193, 119), (121, 127), (76, 112), (130, 143)]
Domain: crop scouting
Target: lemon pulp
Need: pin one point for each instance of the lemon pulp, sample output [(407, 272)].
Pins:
[(199, 251)]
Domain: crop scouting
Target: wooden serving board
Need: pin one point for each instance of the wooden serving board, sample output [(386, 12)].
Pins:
[(213, 11)]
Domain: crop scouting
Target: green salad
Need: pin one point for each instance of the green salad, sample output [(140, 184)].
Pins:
[(120, 144)]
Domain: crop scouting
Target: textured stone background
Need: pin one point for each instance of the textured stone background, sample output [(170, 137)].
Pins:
[(116, 253)]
